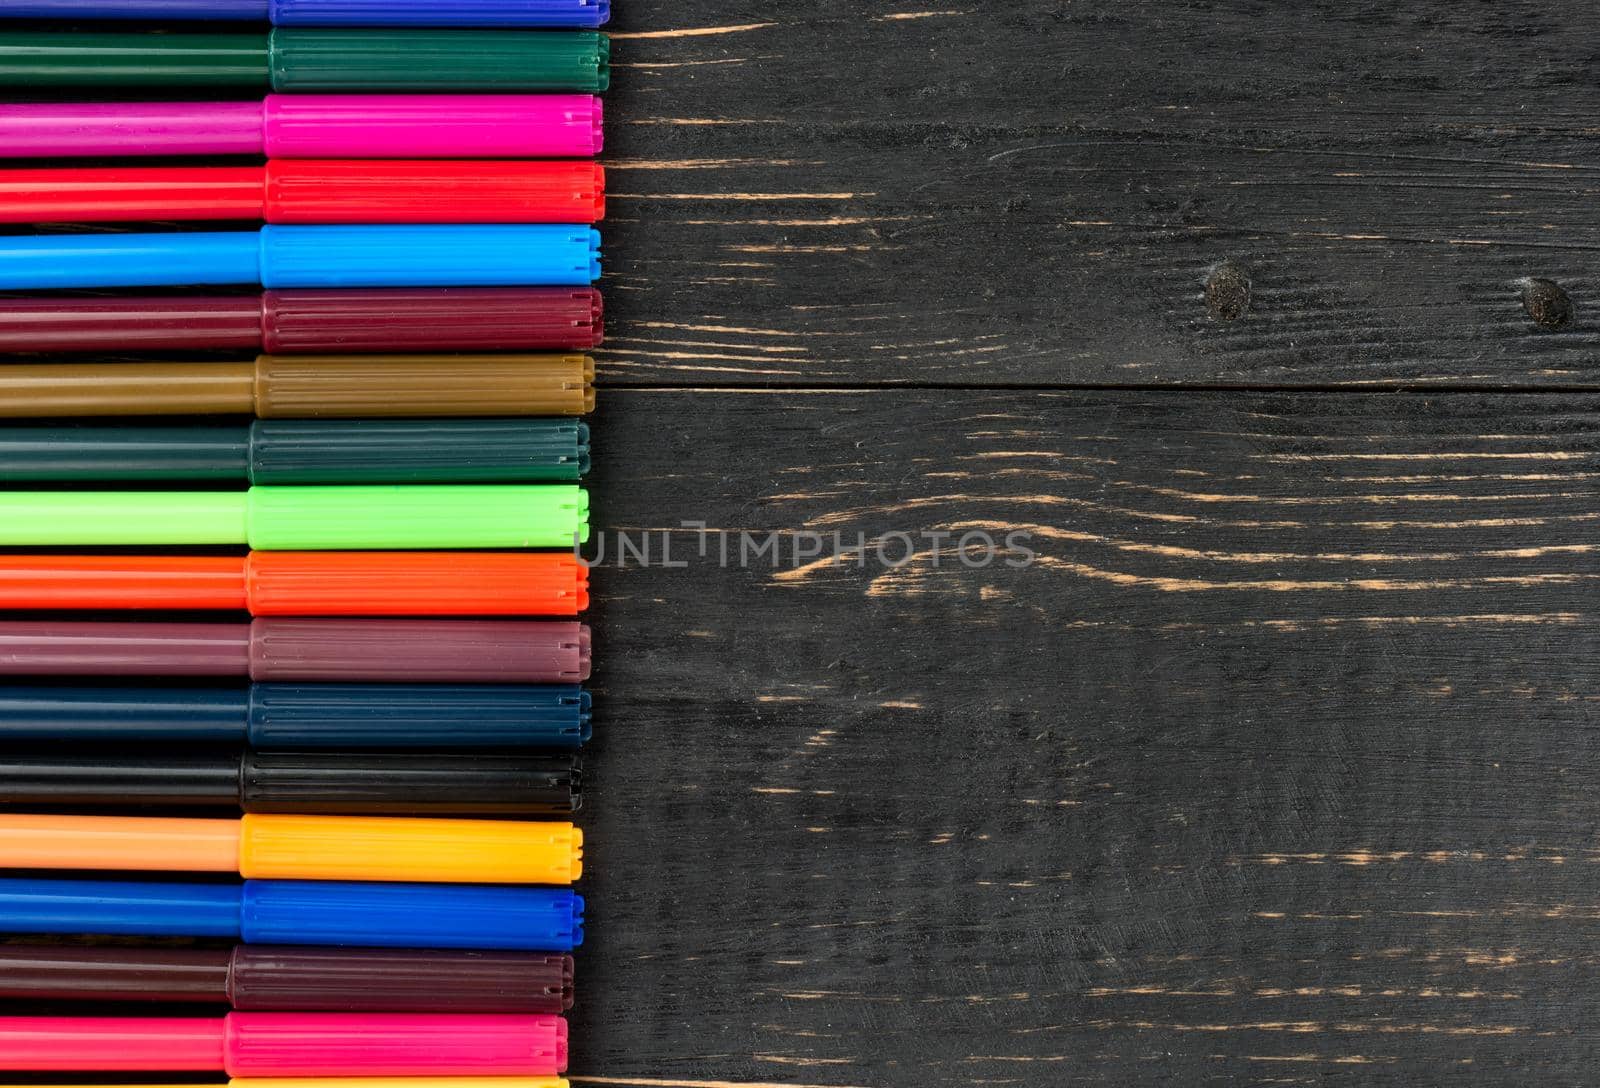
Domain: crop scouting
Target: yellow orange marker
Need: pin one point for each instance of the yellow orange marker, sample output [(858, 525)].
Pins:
[(276, 847)]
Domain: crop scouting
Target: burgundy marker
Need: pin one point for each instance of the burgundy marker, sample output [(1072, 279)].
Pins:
[(266, 649), (297, 322), (265, 978)]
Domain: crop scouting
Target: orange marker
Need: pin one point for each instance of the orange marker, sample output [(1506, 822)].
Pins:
[(301, 847)]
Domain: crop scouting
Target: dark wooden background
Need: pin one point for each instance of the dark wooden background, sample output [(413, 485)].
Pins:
[(1277, 767)]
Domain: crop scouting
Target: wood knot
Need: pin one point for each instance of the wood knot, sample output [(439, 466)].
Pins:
[(1227, 291), (1547, 304)]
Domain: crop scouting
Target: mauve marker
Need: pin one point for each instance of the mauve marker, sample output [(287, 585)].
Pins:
[(443, 651), (345, 321), (270, 978)]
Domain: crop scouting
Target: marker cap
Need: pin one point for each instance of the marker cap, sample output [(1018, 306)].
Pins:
[(398, 319), (420, 386), (421, 516), (438, 60), (389, 915), (526, 13), (414, 716), (406, 980), (473, 255)]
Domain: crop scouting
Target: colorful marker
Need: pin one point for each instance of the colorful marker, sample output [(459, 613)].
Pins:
[(306, 387), (346, 321), (301, 716), (303, 452), (509, 13), (425, 516), (284, 847), (318, 783), (512, 918), (349, 650), (501, 255), (287, 1044), (305, 583), (287, 978), (312, 191), (297, 59)]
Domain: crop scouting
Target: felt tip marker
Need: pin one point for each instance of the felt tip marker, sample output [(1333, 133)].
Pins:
[(309, 60), (306, 387), (455, 916), (311, 191), (400, 650), (310, 1044), (425, 516), (304, 583), (284, 847), (294, 452), (499, 255), (316, 783), (442, 13), (302, 716), (313, 126), (288, 978), (312, 321)]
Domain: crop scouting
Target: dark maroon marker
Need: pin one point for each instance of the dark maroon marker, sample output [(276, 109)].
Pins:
[(264, 978), (271, 648), (290, 322)]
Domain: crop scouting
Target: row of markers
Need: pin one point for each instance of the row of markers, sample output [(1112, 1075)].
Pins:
[(396, 709)]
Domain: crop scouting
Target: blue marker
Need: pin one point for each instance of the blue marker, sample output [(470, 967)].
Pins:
[(520, 255), (301, 912)]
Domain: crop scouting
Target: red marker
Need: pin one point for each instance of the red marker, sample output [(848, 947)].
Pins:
[(312, 191)]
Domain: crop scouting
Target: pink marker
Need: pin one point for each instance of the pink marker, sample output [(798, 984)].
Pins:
[(270, 1044), (312, 126)]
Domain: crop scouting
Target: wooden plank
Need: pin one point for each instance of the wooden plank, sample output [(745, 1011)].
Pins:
[(844, 193), (1275, 767)]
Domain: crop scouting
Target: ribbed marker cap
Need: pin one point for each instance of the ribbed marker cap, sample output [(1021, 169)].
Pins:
[(345, 387), (440, 60)]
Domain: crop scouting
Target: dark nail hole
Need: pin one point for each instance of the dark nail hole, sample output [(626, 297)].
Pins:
[(1228, 291), (1548, 305)]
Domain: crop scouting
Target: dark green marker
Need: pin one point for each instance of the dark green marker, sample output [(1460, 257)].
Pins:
[(298, 59)]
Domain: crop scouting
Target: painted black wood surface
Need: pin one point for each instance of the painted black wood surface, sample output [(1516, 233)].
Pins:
[(1276, 766)]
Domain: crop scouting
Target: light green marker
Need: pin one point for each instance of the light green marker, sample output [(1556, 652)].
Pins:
[(303, 518)]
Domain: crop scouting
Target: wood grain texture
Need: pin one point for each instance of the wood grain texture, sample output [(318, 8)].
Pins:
[(1033, 193), (1275, 767)]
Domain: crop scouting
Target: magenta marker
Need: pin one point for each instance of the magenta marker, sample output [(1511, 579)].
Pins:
[(312, 126)]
